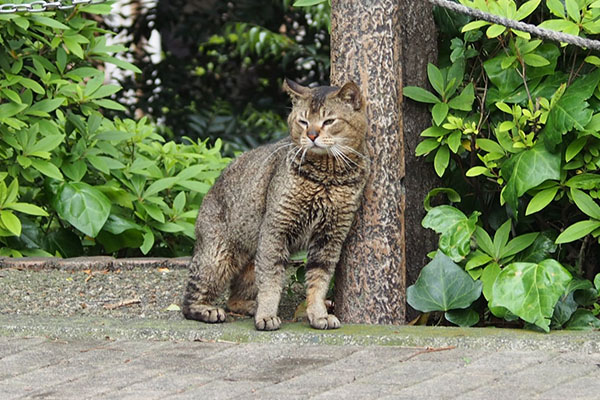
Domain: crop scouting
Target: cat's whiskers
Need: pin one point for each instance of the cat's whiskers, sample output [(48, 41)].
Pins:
[(342, 156), (302, 159), (351, 150), (279, 148)]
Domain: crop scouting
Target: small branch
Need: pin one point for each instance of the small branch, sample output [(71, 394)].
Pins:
[(124, 303), (429, 350)]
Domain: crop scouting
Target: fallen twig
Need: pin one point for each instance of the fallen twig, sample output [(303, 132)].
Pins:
[(124, 303), (429, 350)]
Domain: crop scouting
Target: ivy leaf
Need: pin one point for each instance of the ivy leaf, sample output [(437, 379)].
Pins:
[(583, 320), (571, 110), (454, 227), (531, 290), (83, 206), (443, 286), (464, 318), (528, 169)]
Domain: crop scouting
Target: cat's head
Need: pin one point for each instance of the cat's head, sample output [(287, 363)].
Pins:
[(327, 119)]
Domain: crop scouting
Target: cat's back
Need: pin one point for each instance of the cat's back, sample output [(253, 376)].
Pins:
[(239, 195)]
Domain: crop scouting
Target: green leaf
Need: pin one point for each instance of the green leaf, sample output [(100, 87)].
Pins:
[(148, 241), (556, 7), (454, 227), (584, 181), (46, 168), (110, 104), (464, 318), (490, 146), (535, 60), (573, 10), (439, 113), (501, 238), (571, 110), (495, 30), (464, 101), (484, 241), (426, 146), (577, 231), (50, 22), (119, 63), (74, 171), (563, 310), (575, 147), (528, 169), (452, 194), (518, 244), (154, 212), (530, 290), (441, 160), (436, 79), (10, 222), (442, 286), (583, 320), (476, 171), (27, 208), (45, 106), (10, 109), (543, 246), (585, 203), (474, 25), (488, 277), (306, 3), (526, 9), (160, 185), (83, 206), (541, 200), (421, 95)]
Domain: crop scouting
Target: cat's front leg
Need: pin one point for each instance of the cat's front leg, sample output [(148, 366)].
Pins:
[(271, 259), (323, 254), (318, 276)]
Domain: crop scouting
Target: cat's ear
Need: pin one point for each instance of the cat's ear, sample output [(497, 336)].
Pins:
[(295, 90), (350, 93)]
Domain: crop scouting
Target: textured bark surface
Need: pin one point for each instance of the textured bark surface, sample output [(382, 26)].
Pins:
[(384, 45), (419, 47), (366, 48)]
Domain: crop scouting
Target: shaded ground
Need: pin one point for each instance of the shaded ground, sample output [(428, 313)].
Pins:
[(154, 293)]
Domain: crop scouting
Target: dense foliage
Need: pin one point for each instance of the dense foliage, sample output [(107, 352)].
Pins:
[(223, 65), (515, 137), (73, 182)]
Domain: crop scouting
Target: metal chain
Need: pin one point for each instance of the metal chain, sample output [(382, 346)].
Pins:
[(41, 6)]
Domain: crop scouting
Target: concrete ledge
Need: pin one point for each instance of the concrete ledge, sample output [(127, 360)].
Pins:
[(298, 333), (95, 263)]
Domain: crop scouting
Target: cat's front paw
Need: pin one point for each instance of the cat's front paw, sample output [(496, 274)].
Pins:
[(205, 313), (330, 321), (267, 323)]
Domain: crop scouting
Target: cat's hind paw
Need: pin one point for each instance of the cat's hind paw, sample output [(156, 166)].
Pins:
[(328, 322), (205, 313), (267, 323)]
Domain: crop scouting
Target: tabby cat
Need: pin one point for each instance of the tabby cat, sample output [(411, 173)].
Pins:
[(299, 193)]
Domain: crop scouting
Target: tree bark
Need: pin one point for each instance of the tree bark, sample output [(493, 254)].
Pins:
[(380, 44), (419, 47), (366, 48)]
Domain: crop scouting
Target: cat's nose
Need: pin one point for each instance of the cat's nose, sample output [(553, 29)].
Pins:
[(312, 134)]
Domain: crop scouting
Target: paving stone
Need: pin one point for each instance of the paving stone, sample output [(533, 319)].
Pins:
[(28, 263), (142, 262)]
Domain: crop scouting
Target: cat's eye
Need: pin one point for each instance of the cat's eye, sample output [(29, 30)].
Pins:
[(328, 121), (303, 122)]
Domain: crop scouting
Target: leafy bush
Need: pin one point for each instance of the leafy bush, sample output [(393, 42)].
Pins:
[(72, 181), (223, 63), (515, 137)]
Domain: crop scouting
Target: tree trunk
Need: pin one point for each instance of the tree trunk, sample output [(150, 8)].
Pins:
[(367, 48), (419, 47)]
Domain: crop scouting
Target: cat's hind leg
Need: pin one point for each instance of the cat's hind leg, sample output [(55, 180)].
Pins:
[(242, 298), (209, 273)]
